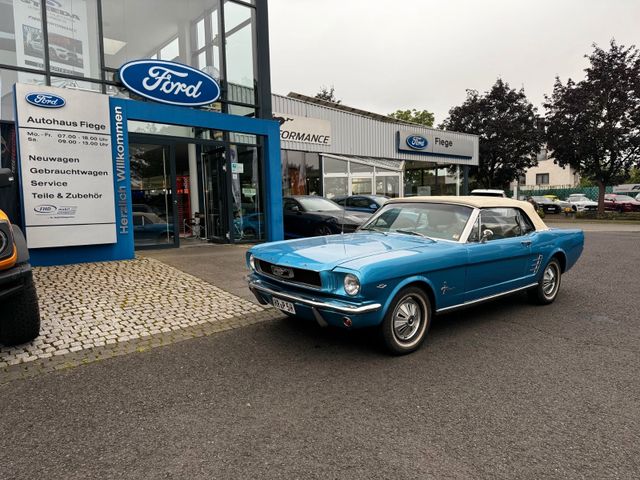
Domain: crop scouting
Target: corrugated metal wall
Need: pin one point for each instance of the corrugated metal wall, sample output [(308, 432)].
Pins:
[(353, 134)]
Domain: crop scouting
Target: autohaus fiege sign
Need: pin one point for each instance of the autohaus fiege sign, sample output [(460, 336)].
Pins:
[(66, 167), (169, 82)]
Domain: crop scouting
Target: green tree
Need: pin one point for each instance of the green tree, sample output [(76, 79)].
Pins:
[(423, 117), (327, 94), (509, 130), (594, 125), (634, 176)]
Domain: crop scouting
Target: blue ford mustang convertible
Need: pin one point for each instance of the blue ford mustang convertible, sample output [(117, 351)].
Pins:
[(414, 258)]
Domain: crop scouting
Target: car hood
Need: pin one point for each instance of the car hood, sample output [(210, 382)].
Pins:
[(328, 252)]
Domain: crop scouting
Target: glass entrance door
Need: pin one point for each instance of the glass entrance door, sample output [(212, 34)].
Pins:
[(214, 186), (152, 195)]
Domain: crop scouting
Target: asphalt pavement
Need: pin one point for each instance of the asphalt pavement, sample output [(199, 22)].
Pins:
[(503, 390)]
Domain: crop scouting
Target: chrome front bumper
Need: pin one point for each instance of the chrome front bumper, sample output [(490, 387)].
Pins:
[(256, 285)]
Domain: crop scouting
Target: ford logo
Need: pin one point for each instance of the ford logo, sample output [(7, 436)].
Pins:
[(169, 82), (45, 100), (282, 271), (45, 209), (417, 142)]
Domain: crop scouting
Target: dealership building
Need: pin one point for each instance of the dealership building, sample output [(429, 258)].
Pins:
[(146, 124)]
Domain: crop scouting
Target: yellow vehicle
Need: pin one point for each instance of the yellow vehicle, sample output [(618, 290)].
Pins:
[(19, 310), (564, 205)]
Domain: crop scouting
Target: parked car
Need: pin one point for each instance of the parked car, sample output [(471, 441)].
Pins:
[(414, 258), (310, 215), (19, 309), (149, 226), (564, 205), (546, 204), (638, 197), (582, 203), (368, 204), (621, 203), (488, 192)]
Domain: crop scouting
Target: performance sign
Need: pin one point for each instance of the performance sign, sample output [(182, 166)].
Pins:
[(66, 166)]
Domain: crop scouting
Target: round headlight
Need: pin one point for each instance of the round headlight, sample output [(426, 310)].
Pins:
[(351, 284), (252, 262)]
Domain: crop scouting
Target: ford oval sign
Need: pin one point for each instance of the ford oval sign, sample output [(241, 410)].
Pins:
[(169, 82), (417, 142), (45, 100)]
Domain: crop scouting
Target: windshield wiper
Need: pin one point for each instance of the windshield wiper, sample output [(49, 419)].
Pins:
[(411, 232), (373, 229)]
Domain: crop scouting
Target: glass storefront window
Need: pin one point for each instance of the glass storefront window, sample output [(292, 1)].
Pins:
[(21, 39), (240, 46), (76, 84), (361, 185), (248, 207), (73, 37), (7, 79), (333, 165), (423, 178), (360, 168), (149, 29), (388, 185), (151, 195), (300, 173), (336, 186)]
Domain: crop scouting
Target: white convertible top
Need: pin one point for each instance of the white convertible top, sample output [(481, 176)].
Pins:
[(480, 202)]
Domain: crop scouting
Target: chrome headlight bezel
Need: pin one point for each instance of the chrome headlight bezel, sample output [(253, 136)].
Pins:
[(351, 284), (252, 262)]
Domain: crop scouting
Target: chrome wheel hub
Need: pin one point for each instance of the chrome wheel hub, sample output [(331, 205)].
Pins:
[(550, 281), (407, 319)]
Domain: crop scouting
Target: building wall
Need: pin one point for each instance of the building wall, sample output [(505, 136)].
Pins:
[(557, 175), (354, 134)]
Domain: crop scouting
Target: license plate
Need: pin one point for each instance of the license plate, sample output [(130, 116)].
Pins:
[(284, 306)]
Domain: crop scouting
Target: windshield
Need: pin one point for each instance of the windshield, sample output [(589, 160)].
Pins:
[(317, 204), (433, 220), (623, 198), (578, 198)]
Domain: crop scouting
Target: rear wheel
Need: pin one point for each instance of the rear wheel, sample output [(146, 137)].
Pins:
[(20, 316), (407, 321), (549, 284)]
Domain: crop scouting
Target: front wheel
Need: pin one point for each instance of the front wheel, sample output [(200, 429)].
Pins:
[(20, 316), (549, 284), (407, 321)]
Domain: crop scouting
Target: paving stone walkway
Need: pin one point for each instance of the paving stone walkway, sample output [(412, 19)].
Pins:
[(105, 306)]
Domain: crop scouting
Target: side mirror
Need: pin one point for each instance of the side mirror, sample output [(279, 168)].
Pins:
[(486, 235), (6, 177)]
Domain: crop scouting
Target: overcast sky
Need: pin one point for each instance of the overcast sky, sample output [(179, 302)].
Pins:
[(382, 55)]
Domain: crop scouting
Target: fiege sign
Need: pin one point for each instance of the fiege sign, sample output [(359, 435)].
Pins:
[(169, 82)]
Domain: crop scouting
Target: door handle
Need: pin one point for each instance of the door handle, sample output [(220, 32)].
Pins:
[(525, 243)]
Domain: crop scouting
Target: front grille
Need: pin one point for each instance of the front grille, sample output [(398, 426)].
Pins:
[(290, 274)]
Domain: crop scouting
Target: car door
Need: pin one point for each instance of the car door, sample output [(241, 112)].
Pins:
[(499, 263), (293, 227)]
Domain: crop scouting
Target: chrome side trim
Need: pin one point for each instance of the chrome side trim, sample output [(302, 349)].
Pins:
[(314, 303), (484, 299)]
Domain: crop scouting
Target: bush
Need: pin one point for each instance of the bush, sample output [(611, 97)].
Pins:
[(540, 212), (608, 216)]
